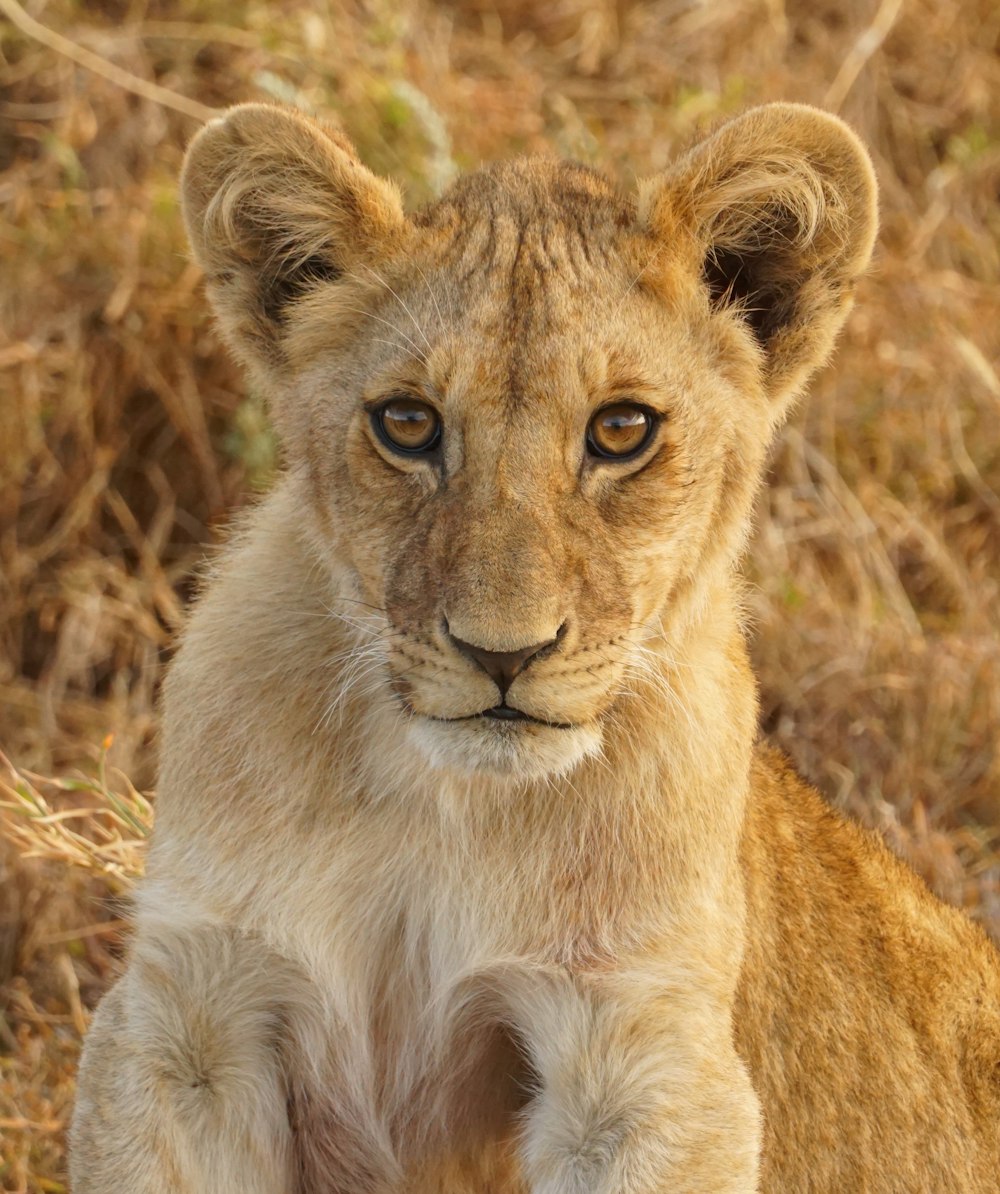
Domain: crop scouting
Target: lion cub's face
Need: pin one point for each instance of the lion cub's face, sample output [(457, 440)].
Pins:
[(532, 417), (523, 448)]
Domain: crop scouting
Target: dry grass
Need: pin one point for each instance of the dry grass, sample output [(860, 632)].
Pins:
[(126, 438)]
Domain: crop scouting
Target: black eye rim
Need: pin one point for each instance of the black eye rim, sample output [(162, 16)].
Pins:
[(654, 418), (376, 414)]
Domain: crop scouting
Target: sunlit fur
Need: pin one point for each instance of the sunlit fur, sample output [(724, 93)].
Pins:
[(387, 944)]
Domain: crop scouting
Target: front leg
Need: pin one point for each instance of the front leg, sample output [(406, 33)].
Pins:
[(641, 1091), (181, 1088)]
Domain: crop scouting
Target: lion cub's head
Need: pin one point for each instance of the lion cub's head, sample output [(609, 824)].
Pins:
[(530, 419)]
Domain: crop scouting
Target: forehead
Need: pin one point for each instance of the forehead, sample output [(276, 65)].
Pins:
[(529, 269), (527, 242), (528, 279)]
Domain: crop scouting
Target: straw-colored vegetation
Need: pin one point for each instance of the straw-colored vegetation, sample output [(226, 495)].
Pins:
[(127, 438)]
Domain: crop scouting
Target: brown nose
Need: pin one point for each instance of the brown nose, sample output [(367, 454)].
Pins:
[(503, 666)]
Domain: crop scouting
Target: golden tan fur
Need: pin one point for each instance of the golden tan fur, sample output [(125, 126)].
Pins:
[(387, 944)]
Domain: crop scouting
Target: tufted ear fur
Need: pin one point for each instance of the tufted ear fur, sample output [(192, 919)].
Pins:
[(779, 211), (275, 204)]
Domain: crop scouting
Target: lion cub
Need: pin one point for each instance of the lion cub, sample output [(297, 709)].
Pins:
[(469, 875)]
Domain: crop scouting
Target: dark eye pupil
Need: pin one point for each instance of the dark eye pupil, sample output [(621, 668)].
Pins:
[(619, 430), (616, 424), (408, 424), (408, 420)]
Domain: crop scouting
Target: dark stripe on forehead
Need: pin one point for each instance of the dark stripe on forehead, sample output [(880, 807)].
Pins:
[(568, 215), (521, 237)]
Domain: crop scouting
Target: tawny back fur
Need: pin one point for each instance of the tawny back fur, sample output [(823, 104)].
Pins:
[(600, 942)]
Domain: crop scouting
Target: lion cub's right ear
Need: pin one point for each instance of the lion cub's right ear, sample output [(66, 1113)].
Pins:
[(276, 204)]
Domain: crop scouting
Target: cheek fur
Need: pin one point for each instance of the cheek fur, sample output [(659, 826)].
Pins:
[(379, 507)]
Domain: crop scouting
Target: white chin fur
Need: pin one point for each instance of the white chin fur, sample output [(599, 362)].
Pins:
[(516, 750)]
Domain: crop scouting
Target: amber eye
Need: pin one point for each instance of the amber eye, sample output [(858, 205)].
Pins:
[(407, 424), (620, 430)]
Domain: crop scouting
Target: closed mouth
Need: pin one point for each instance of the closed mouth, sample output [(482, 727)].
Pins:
[(508, 713)]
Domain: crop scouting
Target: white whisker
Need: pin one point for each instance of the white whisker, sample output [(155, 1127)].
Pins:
[(417, 350), (431, 293), (378, 278)]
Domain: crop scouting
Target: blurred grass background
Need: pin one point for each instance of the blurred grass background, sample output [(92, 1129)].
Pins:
[(127, 438)]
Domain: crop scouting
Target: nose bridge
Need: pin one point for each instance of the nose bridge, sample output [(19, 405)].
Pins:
[(510, 453), (523, 469), (502, 591)]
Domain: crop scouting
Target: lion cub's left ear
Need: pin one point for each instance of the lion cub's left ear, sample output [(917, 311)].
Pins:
[(778, 211), (275, 204)]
